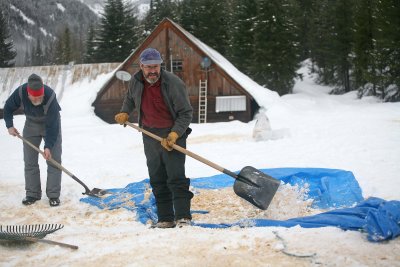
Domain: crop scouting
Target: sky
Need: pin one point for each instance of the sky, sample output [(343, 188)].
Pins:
[(309, 129)]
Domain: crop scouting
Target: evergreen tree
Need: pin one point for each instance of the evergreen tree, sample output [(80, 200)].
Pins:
[(117, 35), (27, 57), (242, 34), (67, 47), (151, 20), (342, 44), (90, 54), (323, 36), (187, 15), (7, 51), (275, 48), (387, 47), (363, 42), (58, 51), (160, 9), (64, 48), (305, 16), (208, 21), (48, 55), (37, 56), (377, 49)]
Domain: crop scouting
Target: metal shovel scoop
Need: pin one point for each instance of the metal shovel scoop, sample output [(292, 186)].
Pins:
[(250, 184), (95, 192)]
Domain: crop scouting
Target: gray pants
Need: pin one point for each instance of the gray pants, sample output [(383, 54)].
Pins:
[(34, 132)]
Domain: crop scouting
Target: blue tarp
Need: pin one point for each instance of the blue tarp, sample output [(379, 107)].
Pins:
[(333, 189)]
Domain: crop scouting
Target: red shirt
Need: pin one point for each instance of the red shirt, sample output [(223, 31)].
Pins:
[(155, 113)]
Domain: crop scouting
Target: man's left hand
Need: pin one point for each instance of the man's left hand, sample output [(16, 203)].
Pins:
[(168, 142), (47, 154)]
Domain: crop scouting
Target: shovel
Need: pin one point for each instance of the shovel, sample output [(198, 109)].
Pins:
[(95, 192), (250, 184)]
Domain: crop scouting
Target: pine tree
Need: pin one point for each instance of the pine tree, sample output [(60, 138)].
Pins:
[(275, 48), (208, 21), (67, 47), (364, 42), (377, 49), (64, 48), (48, 55), (151, 20), (304, 18), (242, 34), (37, 56), (27, 57), (387, 48), (7, 51), (160, 9), (117, 35), (343, 44), (91, 46), (322, 37), (187, 15)]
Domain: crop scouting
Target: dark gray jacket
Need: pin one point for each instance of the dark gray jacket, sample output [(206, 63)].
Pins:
[(175, 96)]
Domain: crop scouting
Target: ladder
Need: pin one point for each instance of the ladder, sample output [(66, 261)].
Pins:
[(203, 101)]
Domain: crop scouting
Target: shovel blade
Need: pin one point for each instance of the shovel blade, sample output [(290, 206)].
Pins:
[(261, 189), (97, 192)]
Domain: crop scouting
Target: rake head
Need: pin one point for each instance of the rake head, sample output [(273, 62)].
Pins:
[(19, 232)]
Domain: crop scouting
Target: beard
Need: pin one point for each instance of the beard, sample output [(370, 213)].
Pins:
[(37, 102), (152, 77)]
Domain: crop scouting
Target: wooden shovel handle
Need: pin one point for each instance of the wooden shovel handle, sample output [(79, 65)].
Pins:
[(58, 165), (55, 163), (32, 239), (185, 151)]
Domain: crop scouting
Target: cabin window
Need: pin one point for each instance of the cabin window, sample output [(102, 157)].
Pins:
[(177, 65), (230, 103)]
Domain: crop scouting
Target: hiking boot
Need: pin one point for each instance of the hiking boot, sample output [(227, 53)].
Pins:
[(183, 222), (54, 202), (29, 201), (164, 225)]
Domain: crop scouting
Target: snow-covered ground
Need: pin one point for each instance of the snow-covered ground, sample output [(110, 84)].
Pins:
[(311, 129)]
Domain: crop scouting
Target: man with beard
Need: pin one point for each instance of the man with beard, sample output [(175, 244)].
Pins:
[(164, 109), (42, 111)]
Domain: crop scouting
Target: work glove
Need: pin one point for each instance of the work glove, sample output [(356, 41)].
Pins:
[(122, 117), (168, 142)]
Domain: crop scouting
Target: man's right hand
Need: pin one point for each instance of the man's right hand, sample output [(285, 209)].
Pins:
[(12, 131), (121, 118)]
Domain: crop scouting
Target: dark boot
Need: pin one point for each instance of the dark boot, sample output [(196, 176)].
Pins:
[(54, 202), (29, 201)]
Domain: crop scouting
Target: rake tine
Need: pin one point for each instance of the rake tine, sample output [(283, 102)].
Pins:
[(34, 230)]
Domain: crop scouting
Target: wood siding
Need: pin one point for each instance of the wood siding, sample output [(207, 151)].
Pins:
[(174, 45)]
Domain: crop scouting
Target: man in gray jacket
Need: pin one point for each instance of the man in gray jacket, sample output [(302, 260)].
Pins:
[(163, 107), (42, 112)]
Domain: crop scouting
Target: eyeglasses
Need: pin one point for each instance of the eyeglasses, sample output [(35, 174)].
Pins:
[(151, 67)]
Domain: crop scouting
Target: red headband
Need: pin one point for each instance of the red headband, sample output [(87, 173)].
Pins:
[(38, 92)]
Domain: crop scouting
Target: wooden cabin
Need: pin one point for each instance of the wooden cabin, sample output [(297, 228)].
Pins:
[(214, 93)]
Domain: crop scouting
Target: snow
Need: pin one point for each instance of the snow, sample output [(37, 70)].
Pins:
[(45, 33), (60, 7), (320, 130), (23, 16)]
